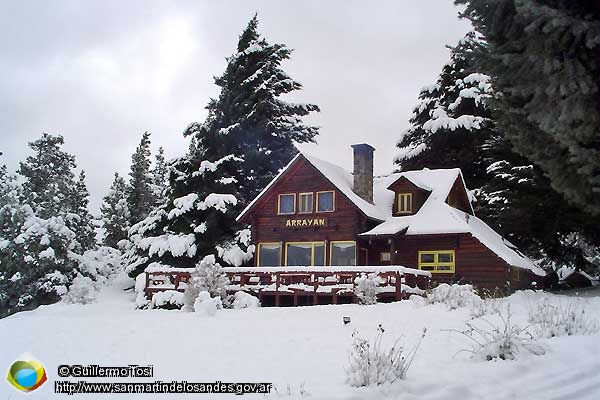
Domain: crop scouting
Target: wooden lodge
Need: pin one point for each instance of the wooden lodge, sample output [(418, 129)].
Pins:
[(317, 227), (316, 216)]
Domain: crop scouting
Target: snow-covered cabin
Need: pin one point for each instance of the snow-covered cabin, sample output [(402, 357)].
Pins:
[(315, 213)]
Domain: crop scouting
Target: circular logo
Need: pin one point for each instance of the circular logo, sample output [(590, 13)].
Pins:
[(26, 374)]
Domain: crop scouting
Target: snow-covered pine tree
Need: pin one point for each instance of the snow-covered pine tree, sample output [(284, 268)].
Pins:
[(543, 60), (197, 219), (249, 119), (159, 177), (49, 177), (518, 201), (11, 219), (81, 223), (140, 196), (115, 213), (451, 121), (247, 137), (35, 253)]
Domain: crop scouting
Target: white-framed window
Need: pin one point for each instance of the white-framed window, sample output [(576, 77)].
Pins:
[(305, 203), (342, 253), (305, 254), (269, 254), (326, 201), (286, 203), (405, 203)]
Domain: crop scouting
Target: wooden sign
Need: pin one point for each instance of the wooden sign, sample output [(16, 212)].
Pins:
[(305, 222)]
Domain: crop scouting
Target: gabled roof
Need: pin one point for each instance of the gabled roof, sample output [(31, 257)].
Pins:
[(343, 181)]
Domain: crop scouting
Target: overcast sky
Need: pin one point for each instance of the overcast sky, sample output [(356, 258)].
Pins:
[(102, 72)]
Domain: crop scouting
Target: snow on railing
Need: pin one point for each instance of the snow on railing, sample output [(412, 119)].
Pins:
[(396, 280)]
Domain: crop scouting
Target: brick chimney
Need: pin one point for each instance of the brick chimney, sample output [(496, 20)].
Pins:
[(363, 171)]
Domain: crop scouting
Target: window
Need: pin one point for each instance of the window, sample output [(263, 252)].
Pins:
[(343, 253), (305, 203), (269, 254), (515, 274), (404, 203), (385, 256), (325, 201), (437, 261), (287, 204), (305, 254)]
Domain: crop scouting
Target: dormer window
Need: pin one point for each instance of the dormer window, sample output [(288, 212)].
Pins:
[(286, 204), (405, 203)]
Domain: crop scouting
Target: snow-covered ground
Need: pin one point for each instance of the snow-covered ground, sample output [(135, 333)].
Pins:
[(303, 350)]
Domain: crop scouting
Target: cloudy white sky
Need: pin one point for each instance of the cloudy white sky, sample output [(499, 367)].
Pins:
[(102, 72)]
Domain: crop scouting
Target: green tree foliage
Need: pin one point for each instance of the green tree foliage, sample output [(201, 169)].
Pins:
[(49, 177), (82, 224), (140, 197), (542, 58), (115, 213), (248, 136), (249, 119), (451, 122)]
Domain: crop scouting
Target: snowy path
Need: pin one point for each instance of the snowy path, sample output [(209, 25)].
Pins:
[(295, 348)]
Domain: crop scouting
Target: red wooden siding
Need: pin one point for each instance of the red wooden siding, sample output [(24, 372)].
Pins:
[(344, 223), (474, 263), (458, 197)]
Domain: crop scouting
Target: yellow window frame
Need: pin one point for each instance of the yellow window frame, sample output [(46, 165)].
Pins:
[(436, 263), (312, 251), (342, 241), (312, 196), (332, 198), (279, 203), (258, 251), (404, 199)]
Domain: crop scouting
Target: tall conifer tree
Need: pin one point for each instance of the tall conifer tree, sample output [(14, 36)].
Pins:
[(140, 197), (249, 119), (542, 58), (115, 213), (248, 136)]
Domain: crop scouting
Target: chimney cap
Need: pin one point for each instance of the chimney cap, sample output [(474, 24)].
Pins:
[(363, 147)]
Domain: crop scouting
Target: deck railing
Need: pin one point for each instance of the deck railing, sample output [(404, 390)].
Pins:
[(301, 285)]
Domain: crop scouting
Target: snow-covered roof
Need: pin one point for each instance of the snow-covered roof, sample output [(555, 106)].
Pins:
[(436, 217), (344, 181)]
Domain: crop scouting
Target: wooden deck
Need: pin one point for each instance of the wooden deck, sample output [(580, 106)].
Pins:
[(296, 286)]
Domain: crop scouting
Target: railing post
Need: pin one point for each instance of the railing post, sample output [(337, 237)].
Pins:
[(398, 285), (147, 283)]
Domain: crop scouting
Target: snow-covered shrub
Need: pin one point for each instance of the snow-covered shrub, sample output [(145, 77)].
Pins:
[(141, 301), (168, 299), (453, 296), (501, 339), (207, 305), (244, 300), (209, 276), (488, 304), (366, 288), (101, 263), (83, 290), (564, 318), (190, 294), (373, 364)]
